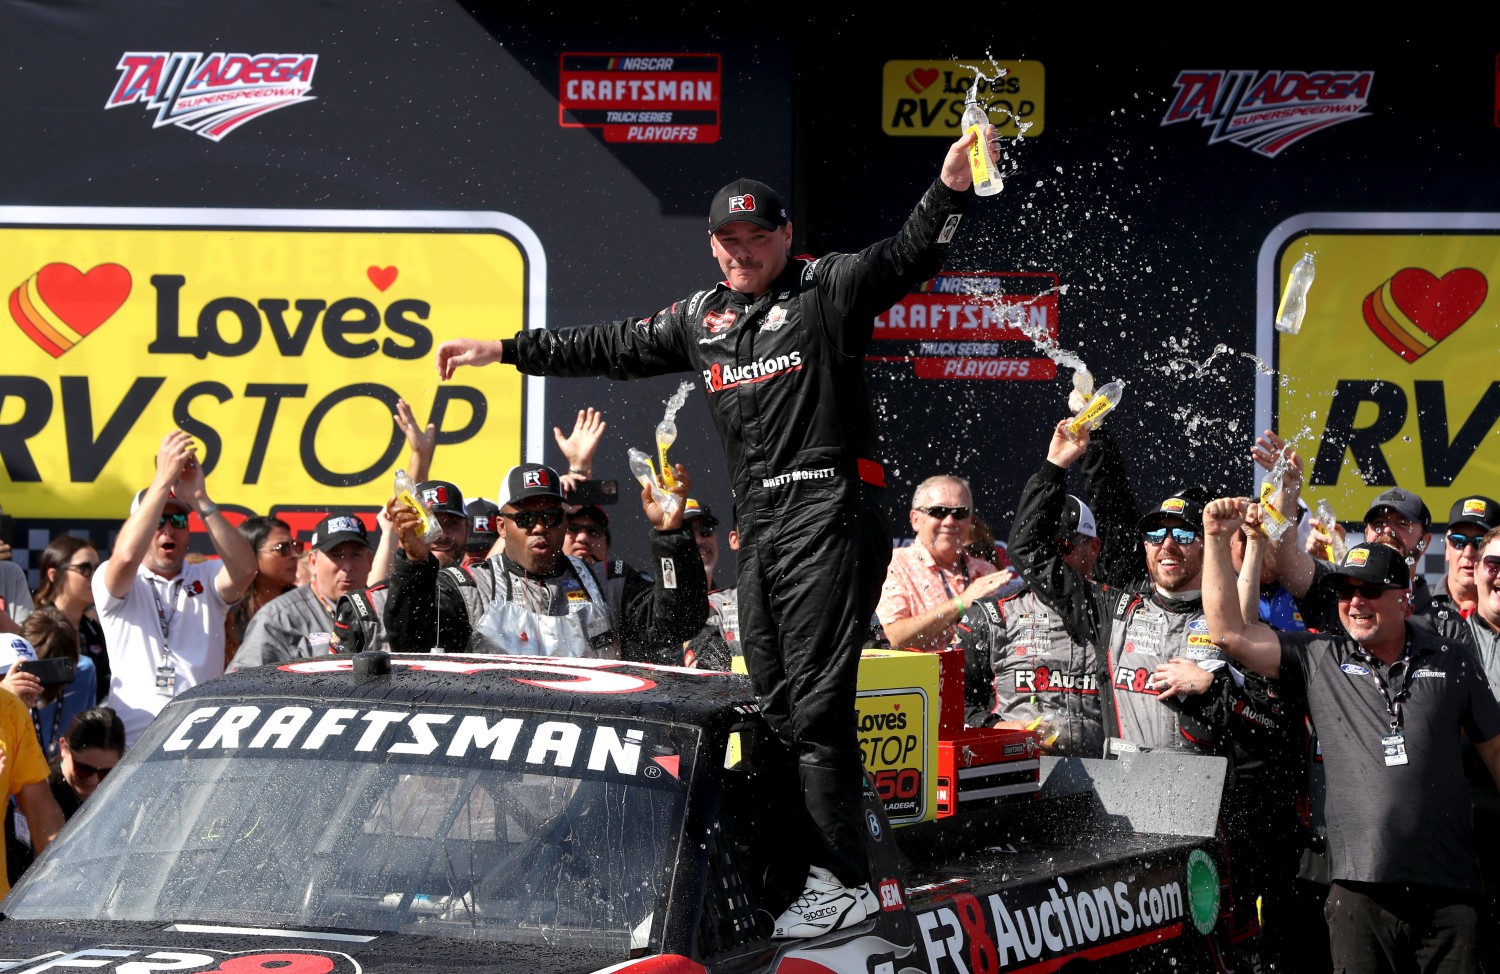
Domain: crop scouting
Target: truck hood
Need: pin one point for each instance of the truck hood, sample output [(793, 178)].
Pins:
[(27, 945)]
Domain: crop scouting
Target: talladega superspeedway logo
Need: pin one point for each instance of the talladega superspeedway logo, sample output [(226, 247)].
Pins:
[(215, 95), (1269, 110)]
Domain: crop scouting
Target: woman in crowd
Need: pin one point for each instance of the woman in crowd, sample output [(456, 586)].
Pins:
[(92, 746), (276, 553), (67, 572), (53, 706)]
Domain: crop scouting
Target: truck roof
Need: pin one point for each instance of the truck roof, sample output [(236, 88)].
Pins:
[(587, 686)]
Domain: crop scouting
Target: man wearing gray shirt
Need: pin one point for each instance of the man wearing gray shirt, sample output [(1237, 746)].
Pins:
[(300, 623), (1392, 703)]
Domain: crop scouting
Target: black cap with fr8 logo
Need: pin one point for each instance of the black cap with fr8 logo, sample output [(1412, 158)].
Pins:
[(750, 201)]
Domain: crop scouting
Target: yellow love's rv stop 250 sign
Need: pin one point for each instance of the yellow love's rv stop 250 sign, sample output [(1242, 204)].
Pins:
[(280, 339), (1393, 378)]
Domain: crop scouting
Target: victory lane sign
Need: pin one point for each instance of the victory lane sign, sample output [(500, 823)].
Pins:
[(281, 340)]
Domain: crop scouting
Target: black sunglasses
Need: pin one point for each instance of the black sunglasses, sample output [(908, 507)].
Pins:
[(1369, 591), (284, 548), (939, 512), (526, 520), (704, 529), (178, 521), (1183, 536), (89, 770), (1491, 565), (84, 568), (1459, 542)]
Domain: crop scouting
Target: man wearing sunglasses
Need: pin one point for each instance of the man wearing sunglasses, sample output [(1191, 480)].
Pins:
[(163, 618), (1469, 520), (533, 599), (931, 582), (1387, 698), (1484, 624)]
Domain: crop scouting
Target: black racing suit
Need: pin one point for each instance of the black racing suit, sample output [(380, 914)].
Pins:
[(784, 379)]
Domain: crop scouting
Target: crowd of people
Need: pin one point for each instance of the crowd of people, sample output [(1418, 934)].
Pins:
[(1354, 704)]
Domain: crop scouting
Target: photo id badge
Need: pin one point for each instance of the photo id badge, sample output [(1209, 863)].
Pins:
[(1395, 749), (166, 679)]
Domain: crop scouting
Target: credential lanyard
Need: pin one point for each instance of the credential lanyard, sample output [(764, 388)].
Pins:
[(963, 567), (161, 615), (1401, 669)]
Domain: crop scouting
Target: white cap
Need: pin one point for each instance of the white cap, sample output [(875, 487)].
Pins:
[(1086, 525), (13, 649)]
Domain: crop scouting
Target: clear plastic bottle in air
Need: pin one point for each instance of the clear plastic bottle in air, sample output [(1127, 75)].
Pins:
[(1294, 298), (666, 435), (406, 493), (1273, 523), (1107, 398), (1328, 521), (986, 171), (645, 472)]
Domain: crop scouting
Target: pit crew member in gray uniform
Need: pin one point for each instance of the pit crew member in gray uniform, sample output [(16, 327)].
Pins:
[(300, 623), (780, 346), (531, 599), (1021, 663), (1392, 703)]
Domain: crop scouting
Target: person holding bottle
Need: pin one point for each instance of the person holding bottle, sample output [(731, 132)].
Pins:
[(779, 344)]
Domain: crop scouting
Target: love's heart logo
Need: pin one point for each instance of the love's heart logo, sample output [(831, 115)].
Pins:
[(1415, 309), (59, 305), (382, 277), (920, 79)]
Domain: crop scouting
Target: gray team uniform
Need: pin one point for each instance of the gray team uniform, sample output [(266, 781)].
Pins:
[(1401, 823), (1020, 660), (358, 620), (293, 625)]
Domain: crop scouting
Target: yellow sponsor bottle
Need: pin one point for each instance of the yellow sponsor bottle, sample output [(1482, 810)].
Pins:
[(987, 181), (1107, 398)]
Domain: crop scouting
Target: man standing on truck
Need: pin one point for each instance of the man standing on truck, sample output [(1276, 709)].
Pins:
[(1388, 699), (780, 344)]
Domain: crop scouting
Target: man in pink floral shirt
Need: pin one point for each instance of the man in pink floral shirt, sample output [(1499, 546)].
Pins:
[(932, 582)]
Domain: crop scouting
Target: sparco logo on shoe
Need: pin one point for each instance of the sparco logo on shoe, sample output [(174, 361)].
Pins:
[(720, 376), (827, 911)]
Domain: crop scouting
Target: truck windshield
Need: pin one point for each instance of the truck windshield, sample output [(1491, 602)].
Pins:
[(521, 827)]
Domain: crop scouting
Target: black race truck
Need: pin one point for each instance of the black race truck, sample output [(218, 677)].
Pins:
[(385, 812)]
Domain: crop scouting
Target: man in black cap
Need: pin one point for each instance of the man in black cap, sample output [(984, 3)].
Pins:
[(717, 644), (1022, 665), (587, 536), (1469, 520), (780, 347), (1387, 698), (359, 616), (534, 599), (301, 622), (484, 530)]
